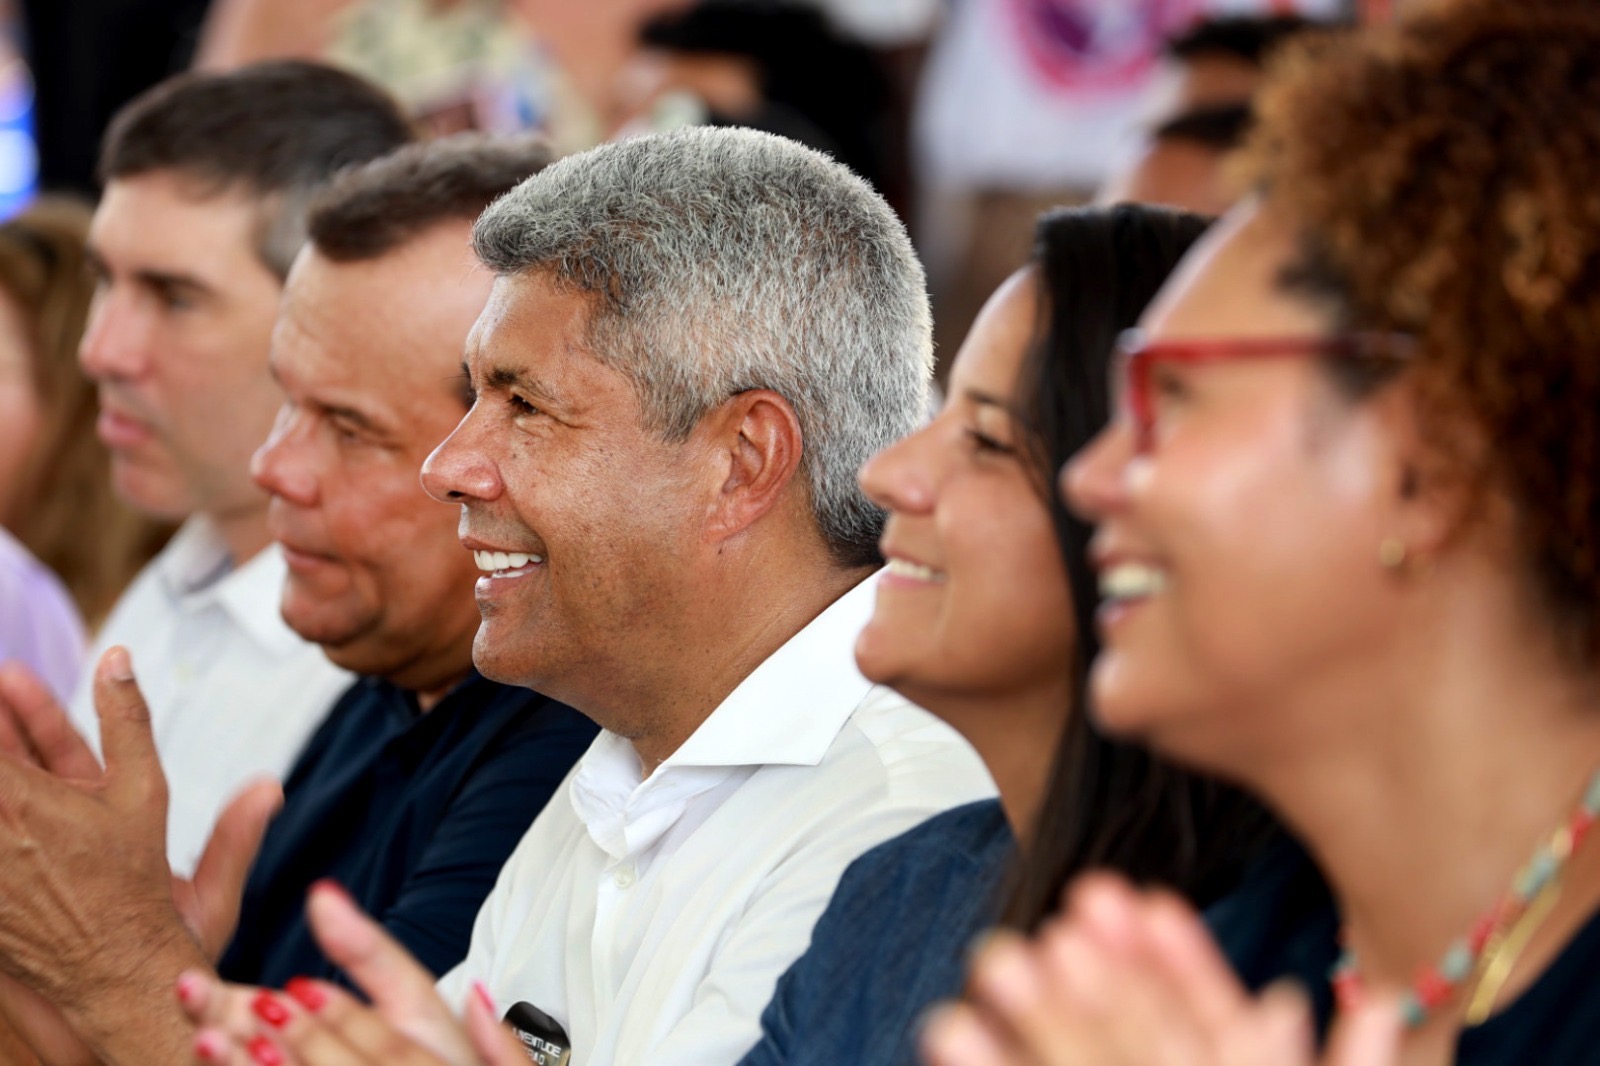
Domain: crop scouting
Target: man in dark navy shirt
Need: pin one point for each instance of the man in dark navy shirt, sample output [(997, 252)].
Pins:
[(425, 775)]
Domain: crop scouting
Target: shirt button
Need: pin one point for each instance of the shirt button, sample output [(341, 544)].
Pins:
[(623, 877)]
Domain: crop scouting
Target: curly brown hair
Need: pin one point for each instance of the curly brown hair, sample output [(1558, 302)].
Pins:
[(1442, 173)]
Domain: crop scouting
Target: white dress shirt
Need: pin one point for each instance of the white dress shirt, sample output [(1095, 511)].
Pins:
[(652, 918), (234, 693)]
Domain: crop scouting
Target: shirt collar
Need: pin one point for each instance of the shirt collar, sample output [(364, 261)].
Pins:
[(788, 711), (196, 569)]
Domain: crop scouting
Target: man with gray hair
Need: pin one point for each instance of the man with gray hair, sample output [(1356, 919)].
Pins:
[(692, 343)]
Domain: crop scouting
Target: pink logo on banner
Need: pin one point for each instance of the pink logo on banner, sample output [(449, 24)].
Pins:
[(1098, 45)]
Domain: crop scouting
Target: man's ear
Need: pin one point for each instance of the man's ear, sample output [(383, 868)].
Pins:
[(757, 438)]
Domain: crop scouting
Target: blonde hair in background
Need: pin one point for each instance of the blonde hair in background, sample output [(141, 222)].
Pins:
[(65, 511)]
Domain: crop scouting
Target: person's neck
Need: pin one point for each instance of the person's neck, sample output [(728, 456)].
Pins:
[(431, 673), (243, 532), (752, 612), (1016, 734), (430, 697), (1442, 790)]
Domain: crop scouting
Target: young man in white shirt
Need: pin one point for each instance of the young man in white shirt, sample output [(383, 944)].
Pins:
[(207, 179), (694, 341)]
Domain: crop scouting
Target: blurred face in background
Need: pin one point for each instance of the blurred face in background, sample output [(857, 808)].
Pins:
[(21, 411), (177, 344), (1242, 602)]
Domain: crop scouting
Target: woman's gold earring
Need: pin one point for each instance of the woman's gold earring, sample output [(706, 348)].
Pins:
[(1392, 553)]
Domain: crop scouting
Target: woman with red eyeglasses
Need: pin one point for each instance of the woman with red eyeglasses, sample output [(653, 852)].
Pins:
[(1349, 543)]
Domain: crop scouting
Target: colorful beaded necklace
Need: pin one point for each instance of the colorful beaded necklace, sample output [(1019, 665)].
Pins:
[(1496, 938)]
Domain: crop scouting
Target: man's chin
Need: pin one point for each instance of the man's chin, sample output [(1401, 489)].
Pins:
[(497, 662), (331, 634), (152, 491)]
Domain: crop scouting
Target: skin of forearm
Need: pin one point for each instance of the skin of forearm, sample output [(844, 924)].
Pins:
[(128, 1012)]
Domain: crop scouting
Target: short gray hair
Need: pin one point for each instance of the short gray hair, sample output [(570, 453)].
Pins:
[(723, 260)]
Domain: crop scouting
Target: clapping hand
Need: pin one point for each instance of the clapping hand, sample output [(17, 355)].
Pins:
[(1126, 977)]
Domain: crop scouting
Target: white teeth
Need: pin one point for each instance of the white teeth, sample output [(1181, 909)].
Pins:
[(503, 562), (1128, 581), (915, 571)]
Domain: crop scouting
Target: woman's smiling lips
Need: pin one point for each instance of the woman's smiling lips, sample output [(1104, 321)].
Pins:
[(1124, 584), (902, 572)]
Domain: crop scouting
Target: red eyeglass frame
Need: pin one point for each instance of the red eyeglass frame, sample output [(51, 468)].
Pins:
[(1135, 357)]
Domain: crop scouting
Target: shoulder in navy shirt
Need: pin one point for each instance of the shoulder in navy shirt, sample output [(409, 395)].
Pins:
[(893, 941), (413, 813)]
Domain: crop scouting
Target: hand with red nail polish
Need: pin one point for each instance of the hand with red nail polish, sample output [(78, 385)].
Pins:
[(318, 1024)]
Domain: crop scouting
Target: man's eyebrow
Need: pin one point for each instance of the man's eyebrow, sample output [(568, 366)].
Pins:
[(505, 378), (172, 281), (351, 415)]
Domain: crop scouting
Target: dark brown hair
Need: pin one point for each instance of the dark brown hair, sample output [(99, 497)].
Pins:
[(65, 511), (1441, 175), (369, 211), (273, 131), (1108, 803)]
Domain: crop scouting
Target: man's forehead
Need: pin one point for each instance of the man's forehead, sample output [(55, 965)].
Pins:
[(340, 328), (524, 320), (180, 190), (162, 221)]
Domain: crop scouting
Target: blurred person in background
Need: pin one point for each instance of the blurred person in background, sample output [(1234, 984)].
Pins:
[(208, 179), (39, 623), (550, 66), (1026, 104), (779, 67), (1201, 109), (55, 473)]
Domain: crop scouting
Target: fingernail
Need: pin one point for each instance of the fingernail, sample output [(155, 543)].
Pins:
[(332, 887), (485, 998), (264, 1052), (208, 1047), (307, 993), (188, 989), (269, 1010), (119, 667)]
